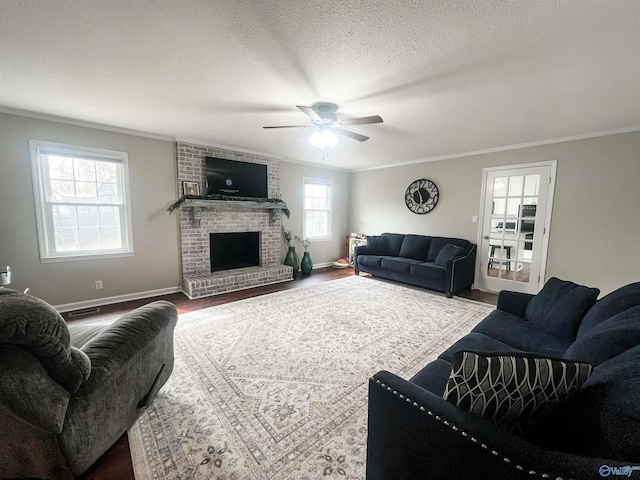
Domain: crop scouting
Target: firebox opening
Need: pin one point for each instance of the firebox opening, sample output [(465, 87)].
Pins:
[(234, 250)]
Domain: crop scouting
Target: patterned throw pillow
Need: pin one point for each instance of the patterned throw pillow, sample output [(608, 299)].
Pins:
[(512, 390)]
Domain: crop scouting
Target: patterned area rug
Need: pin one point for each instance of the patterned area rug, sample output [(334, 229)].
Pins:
[(275, 387)]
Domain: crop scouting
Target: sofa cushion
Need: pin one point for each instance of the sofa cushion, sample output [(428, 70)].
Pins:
[(512, 390), (397, 264), (608, 401), (607, 339), (615, 302), (415, 246), (521, 334), (394, 242), (448, 252), (428, 270), (371, 261), (478, 342), (438, 242), (377, 245), (560, 307), (433, 377)]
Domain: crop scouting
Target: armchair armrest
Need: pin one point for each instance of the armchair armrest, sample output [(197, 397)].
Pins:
[(130, 360), (514, 302), (414, 434), (124, 338)]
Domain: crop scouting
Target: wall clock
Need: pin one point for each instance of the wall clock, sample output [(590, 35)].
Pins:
[(421, 196)]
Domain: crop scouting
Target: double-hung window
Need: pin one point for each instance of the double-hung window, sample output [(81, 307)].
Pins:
[(317, 209), (82, 201)]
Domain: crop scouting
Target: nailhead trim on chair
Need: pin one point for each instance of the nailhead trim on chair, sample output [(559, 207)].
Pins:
[(462, 432)]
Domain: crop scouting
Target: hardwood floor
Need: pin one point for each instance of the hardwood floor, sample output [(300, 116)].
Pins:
[(116, 464)]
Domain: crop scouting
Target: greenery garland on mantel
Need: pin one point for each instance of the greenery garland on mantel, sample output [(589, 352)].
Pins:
[(182, 199)]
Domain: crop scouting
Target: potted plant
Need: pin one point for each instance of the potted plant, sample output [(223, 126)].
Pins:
[(306, 264)]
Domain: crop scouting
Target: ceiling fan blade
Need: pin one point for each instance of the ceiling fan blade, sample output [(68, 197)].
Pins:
[(361, 121), (311, 112), (347, 133), (291, 126)]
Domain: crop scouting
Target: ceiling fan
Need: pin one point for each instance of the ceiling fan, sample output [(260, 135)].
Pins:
[(326, 123)]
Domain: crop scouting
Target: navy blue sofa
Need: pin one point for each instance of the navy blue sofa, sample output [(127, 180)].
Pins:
[(415, 433), (438, 263)]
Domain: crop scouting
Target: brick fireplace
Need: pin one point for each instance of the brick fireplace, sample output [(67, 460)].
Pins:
[(196, 223)]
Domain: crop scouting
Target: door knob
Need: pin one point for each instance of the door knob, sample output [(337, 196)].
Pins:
[(486, 237)]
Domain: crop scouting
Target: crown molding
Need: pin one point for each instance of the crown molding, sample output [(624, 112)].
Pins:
[(507, 148), (83, 123)]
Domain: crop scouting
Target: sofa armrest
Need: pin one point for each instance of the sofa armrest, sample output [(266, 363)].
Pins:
[(414, 434), (514, 302), (359, 250), (460, 272)]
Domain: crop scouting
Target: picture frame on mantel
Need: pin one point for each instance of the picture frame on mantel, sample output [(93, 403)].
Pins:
[(190, 188)]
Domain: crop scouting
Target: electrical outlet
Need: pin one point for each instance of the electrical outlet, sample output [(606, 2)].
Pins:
[(98, 284)]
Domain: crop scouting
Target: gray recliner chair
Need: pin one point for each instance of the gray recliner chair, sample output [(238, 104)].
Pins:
[(68, 393)]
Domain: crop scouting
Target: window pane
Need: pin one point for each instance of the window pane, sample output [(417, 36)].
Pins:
[(86, 191), (109, 216), (66, 239), (111, 237), (88, 217), (531, 184), (62, 191), (90, 239), (106, 172), (498, 206), (515, 186), (84, 170), (316, 196), (64, 216), (513, 206), (60, 168), (500, 187), (316, 223)]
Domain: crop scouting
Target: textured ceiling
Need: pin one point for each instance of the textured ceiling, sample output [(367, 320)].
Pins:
[(448, 76)]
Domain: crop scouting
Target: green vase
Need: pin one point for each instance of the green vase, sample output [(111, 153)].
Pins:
[(292, 260), (306, 265)]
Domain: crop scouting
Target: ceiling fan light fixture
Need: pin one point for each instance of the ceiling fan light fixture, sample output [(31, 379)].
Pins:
[(323, 139)]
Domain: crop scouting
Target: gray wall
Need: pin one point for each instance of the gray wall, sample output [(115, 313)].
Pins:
[(152, 173), (291, 187), (595, 229)]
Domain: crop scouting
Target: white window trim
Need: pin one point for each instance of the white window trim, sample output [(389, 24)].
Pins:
[(39, 188), (318, 181)]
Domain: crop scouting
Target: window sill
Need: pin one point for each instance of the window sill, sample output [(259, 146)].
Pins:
[(91, 256)]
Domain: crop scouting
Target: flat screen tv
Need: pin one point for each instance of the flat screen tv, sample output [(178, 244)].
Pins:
[(235, 179)]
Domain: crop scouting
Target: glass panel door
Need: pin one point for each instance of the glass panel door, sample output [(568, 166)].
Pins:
[(515, 207)]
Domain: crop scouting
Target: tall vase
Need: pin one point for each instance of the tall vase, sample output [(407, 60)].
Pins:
[(306, 265), (292, 260)]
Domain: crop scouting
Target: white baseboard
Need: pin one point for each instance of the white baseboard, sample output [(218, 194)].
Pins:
[(321, 265), (67, 307)]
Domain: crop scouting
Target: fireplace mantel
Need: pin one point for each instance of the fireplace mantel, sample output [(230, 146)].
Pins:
[(197, 204)]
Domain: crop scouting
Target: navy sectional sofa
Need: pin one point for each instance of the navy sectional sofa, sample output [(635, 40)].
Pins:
[(416, 433), (437, 263)]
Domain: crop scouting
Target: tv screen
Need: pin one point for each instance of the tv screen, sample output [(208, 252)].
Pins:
[(235, 179)]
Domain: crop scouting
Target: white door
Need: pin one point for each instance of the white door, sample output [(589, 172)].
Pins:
[(514, 231)]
